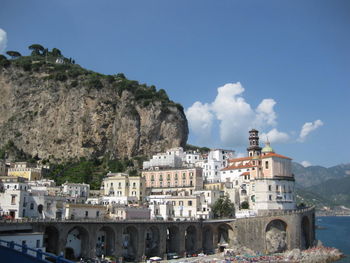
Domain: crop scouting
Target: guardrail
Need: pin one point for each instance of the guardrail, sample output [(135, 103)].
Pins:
[(39, 254), (105, 220), (54, 220)]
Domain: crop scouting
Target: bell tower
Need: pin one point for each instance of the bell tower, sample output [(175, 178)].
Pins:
[(254, 149)]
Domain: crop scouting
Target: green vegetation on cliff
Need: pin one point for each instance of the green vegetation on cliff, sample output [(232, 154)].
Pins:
[(59, 68), (92, 171), (54, 108)]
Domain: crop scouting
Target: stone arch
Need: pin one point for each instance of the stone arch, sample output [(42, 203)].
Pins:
[(152, 241), (225, 233), (173, 240), (207, 240), (130, 243), (191, 240), (77, 241), (105, 242), (51, 239), (305, 233), (276, 236)]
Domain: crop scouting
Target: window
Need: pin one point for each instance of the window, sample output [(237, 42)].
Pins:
[(270, 187), (270, 197), (13, 200), (86, 213), (97, 213), (24, 242), (181, 203), (38, 243), (190, 203), (266, 165)]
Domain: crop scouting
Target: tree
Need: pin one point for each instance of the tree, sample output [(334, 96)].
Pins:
[(3, 61), (120, 76), (13, 54), (56, 52), (223, 207), (244, 205), (37, 49)]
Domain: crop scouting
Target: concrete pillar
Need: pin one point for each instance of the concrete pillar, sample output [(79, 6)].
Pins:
[(141, 243), (162, 240), (118, 240), (182, 241), (199, 239)]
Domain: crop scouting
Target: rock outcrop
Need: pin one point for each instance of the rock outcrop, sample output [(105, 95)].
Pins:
[(62, 116)]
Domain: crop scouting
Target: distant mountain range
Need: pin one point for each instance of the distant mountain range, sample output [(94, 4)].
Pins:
[(322, 186)]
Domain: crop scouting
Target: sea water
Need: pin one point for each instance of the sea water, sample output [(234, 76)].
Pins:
[(334, 231)]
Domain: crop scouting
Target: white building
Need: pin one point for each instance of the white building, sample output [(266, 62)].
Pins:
[(216, 160), (84, 211), (77, 192), (191, 158), (31, 240), (207, 199), (171, 158)]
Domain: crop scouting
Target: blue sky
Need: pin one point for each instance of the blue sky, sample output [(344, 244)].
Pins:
[(280, 64)]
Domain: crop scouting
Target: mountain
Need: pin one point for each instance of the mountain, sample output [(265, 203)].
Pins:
[(314, 175), (322, 186), (52, 108)]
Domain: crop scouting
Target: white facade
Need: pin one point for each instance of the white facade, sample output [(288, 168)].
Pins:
[(180, 207), (161, 207), (84, 211), (192, 157), (217, 159), (76, 191), (273, 194), (172, 158), (33, 240)]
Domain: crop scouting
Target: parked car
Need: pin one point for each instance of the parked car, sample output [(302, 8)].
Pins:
[(172, 256)]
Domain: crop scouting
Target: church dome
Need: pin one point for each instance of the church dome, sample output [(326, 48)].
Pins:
[(267, 148)]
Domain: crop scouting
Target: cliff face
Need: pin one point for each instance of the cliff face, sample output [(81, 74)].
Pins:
[(66, 118)]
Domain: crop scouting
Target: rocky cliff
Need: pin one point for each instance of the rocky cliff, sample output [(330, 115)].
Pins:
[(62, 111)]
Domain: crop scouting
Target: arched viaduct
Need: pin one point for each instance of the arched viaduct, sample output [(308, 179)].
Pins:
[(135, 239)]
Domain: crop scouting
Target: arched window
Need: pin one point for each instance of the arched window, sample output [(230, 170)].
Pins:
[(31, 206)]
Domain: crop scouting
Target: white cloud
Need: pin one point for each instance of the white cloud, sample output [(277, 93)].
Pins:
[(306, 163), (3, 40), (307, 128), (235, 116), (234, 113), (200, 120), (265, 113), (275, 136)]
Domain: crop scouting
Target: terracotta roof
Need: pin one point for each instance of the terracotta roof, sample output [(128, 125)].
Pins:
[(275, 155), (245, 173), (239, 159), (233, 167)]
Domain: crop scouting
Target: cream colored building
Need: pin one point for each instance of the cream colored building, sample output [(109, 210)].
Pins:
[(84, 211), (25, 170), (121, 186), (177, 207)]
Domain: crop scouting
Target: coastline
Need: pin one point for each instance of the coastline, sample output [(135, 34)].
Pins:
[(319, 254)]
